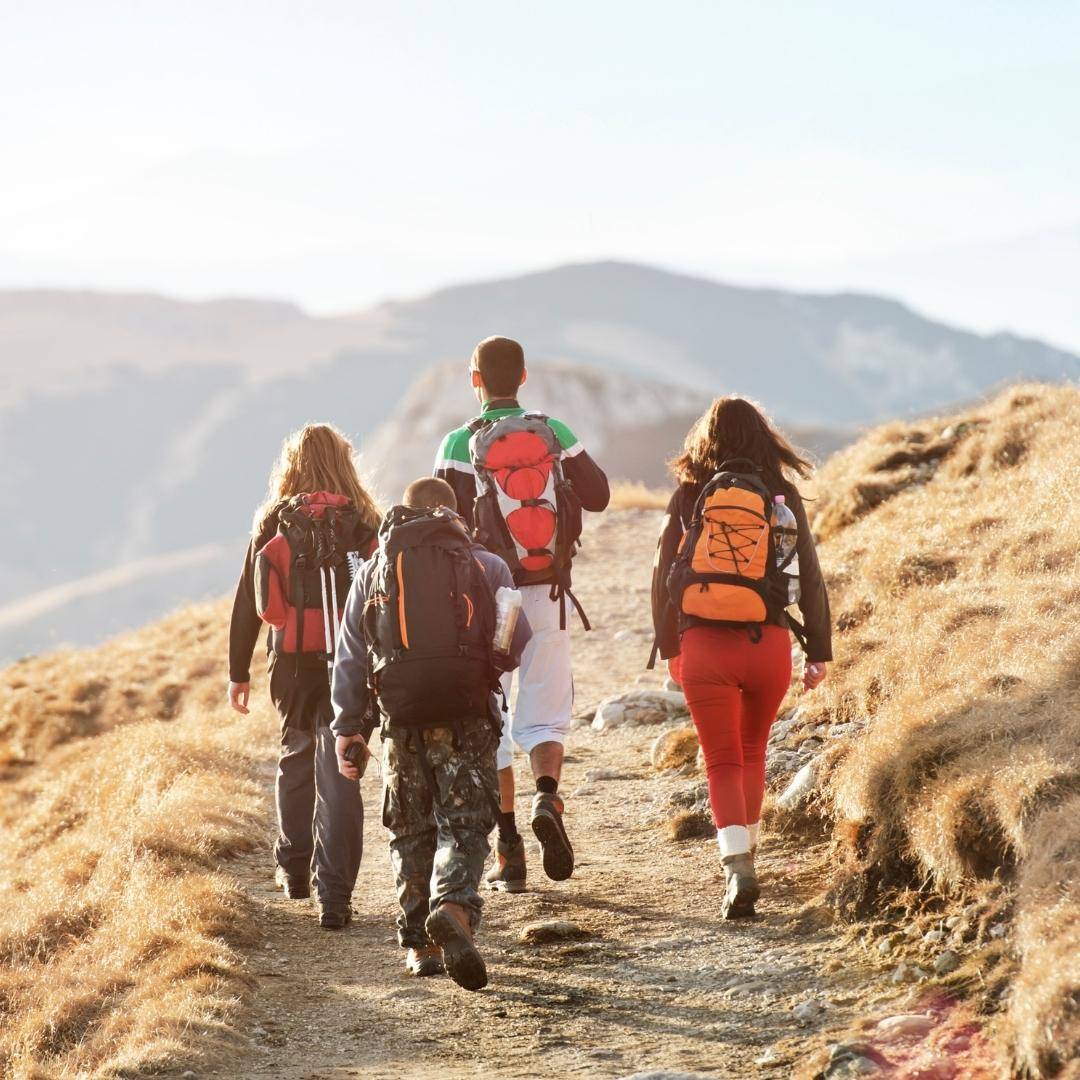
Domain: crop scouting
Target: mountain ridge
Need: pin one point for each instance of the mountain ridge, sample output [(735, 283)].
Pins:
[(177, 408)]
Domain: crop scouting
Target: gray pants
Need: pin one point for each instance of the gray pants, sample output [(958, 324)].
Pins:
[(320, 812)]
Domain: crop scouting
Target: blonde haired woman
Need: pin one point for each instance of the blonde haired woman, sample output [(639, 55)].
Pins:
[(320, 812)]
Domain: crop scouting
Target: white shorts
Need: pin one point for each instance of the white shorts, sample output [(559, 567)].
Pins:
[(545, 698)]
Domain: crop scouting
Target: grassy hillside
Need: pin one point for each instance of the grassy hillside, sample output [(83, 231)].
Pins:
[(123, 785), (952, 548)]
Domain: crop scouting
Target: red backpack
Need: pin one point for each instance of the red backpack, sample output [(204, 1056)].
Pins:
[(303, 574), (526, 511)]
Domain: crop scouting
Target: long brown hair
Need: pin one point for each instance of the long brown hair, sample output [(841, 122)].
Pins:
[(318, 457), (733, 427)]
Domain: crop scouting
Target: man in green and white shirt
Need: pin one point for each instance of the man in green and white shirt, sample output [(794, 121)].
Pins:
[(545, 698)]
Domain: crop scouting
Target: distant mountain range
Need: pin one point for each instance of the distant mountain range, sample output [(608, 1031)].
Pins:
[(137, 431)]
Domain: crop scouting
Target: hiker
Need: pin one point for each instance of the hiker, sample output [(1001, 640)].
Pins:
[(419, 627), (533, 479), (316, 523), (719, 600)]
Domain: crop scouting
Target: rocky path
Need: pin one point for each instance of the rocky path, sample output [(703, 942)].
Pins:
[(649, 978)]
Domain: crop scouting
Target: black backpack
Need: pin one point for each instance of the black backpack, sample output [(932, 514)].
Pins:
[(429, 622)]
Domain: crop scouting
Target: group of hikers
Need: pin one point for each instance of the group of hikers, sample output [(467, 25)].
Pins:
[(415, 621)]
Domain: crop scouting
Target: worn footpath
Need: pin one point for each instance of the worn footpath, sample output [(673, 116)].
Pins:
[(646, 977)]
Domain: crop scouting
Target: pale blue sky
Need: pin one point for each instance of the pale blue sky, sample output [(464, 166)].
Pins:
[(341, 153)]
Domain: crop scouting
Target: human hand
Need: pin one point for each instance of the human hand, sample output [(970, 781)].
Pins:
[(346, 767), (814, 674), (239, 692)]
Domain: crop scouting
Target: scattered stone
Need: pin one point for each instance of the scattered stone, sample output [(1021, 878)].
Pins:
[(953, 921), (786, 724), (583, 790), (746, 989), (188, 1073), (811, 745), (947, 962), (905, 1026), (595, 775), (840, 731), (886, 944), (806, 1012), (854, 1059), (780, 763), (672, 685), (674, 749), (801, 786), (637, 708), (689, 797), (934, 937), (622, 635), (998, 930), (907, 973), (768, 1056), (540, 933)]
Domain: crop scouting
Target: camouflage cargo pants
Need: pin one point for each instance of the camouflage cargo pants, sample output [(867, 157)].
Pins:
[(438, 849)]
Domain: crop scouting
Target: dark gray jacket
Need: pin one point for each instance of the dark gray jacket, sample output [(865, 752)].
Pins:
[(354, 709)]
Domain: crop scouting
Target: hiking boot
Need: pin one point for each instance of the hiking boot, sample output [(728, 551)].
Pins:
[(547, 823), (448, 926), (295, 886), (425, 962), (741, 887), (508, 873), (334, 916)]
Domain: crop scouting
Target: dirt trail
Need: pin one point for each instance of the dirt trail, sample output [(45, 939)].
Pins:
[(658, 983)]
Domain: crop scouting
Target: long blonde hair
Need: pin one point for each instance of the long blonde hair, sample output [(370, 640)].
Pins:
[(318, 457)]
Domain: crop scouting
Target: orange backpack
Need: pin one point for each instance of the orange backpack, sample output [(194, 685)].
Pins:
[(725, 571)]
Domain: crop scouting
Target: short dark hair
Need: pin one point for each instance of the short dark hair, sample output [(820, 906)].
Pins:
[(429, 492), (501, 363)]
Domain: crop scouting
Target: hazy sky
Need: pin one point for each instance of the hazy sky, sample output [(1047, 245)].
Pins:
[(341, 153)]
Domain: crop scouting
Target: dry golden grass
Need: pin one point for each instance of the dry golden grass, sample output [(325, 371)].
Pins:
[(952, 549), (126, 786), (633, 495)]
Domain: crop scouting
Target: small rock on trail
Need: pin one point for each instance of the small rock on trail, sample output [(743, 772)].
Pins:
[(675, 748), (904, 1025), (541, 933), (637, 708)]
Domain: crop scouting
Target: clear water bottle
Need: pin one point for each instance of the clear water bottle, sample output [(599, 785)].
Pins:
[(785, 537)]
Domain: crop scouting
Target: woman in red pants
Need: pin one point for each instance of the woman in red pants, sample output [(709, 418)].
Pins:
[(735, 675)]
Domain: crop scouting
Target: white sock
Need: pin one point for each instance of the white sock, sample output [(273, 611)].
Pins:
[(733, 840), (754, 831)]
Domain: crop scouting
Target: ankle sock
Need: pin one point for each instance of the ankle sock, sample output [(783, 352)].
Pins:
[(547, 784), (507, 827), (733, 840)]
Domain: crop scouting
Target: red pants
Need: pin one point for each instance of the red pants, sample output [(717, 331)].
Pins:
[(733, 688)]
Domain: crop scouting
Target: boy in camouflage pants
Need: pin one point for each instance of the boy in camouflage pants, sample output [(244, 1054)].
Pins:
[(438, 845)]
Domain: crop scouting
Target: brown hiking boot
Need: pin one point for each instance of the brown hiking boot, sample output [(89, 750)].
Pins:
[(334, 916), (741, 887), (508, 873), (425, 962), (448, 926), (547, 823), (294, 886)]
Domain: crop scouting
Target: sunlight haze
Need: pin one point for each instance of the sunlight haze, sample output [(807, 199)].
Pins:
[(343, 153)]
